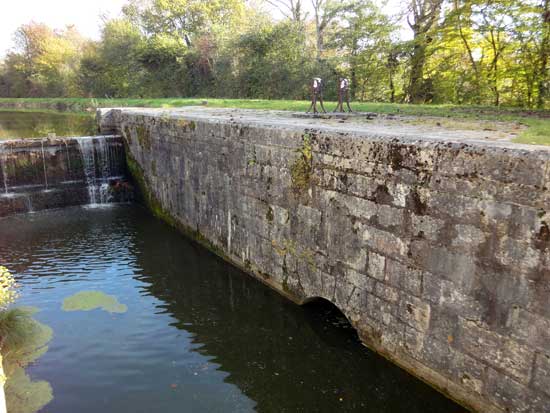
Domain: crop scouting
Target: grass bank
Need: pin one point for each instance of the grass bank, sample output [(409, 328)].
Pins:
[(537, 121)]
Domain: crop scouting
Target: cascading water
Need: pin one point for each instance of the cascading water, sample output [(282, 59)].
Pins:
[(4, 174), (96, 161), (57, 172), (44, 164)]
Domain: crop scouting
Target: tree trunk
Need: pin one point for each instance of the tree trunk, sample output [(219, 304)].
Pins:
[(353, 88), (392, 89), (418, 59), (475, 67), (544, 53), (425, 14), (495, 44), (319, 34)]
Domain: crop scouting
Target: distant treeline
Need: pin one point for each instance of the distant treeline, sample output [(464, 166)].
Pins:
[(462, 51)]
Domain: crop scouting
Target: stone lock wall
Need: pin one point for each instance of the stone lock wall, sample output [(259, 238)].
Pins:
[(438, 253)]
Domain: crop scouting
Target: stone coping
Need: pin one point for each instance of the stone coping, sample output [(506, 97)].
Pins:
[(492, 134)]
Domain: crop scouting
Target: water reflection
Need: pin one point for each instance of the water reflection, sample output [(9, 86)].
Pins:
[(25, 395), (198, 335), (24, 124)]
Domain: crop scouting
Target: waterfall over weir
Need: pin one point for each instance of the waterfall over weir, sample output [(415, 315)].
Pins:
[(38, 174), (96, 162)]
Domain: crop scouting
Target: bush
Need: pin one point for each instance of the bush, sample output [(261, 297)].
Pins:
[(8, 288)]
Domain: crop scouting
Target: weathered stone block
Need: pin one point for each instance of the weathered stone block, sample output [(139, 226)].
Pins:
[(405, 277), (457, 267), (496, 350), (541, 378), (468, 371), (426, 227), (386, 292), (529, 327), (414, 312), (468, 238), (377, 266), (382, 241)]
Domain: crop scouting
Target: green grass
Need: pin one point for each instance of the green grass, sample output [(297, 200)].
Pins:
[(537, 133), (537, 121)]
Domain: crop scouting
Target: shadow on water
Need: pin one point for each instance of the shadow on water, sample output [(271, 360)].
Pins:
[(24, 124), (198, 336), (283, 356)]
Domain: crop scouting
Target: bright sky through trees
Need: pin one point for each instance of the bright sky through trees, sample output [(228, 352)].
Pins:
[(84, 14)]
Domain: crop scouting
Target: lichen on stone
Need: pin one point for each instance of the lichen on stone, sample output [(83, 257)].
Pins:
[(91, 300)]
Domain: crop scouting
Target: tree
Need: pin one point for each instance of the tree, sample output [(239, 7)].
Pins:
[(291, 9), (461, 19), (326, 12), (273, 63), (183, 19), (112, 68), (543, 75), (424, 15), (44, 62), (496, 19), (363, 41)]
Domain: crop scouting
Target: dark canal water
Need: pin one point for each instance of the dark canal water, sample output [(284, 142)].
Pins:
[(181, 330), (20, 124)]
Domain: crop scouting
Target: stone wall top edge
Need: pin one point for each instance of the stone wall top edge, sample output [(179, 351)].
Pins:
[(380, 136), (39, 142)]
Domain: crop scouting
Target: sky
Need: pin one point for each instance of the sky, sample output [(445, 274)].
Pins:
[(84, 14)]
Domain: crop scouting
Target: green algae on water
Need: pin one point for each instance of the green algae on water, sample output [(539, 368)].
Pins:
[(90, 300)]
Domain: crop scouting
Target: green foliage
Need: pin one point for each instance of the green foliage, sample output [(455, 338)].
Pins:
[(44, 63), (8, 288), (112, 68), (366, 49), (274, 62)]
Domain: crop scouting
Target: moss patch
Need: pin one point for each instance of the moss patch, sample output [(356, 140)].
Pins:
[(143, 136), (300, 170), (186, 125), (147, 196), (91, 300)]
